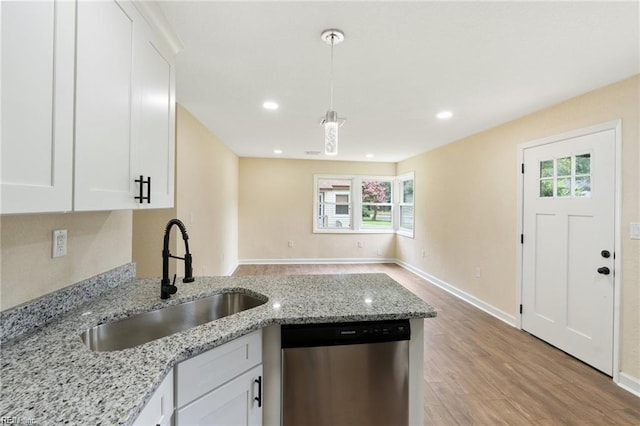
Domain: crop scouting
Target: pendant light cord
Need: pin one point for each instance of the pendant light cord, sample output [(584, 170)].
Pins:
[(331, 102)]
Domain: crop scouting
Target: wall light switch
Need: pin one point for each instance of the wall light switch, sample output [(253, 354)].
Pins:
[(635, 231)]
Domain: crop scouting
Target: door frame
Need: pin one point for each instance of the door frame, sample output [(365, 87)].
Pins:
[(615, 125)]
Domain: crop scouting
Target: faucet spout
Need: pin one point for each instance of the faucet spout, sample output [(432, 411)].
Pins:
[(166, 287)]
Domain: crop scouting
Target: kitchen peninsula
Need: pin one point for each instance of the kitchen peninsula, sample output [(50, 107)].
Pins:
[(50, 376)]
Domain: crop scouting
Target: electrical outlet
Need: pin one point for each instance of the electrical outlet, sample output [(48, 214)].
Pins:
[(379, 252), (59, 246), (423, 253), (290, 244), (359, 244), (478, 272), (635, 231)]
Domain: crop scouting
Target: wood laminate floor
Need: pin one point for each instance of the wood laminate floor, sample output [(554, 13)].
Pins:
[(481, 371)]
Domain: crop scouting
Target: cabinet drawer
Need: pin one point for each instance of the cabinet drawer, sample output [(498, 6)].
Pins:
[(200, 374)]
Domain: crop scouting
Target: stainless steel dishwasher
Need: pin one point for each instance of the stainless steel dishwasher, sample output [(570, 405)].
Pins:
[(345, 373)]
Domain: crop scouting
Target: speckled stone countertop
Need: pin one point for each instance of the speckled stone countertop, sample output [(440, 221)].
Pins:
[(51, 377)]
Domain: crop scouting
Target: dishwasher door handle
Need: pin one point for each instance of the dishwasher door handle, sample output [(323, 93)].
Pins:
[(259, 397)]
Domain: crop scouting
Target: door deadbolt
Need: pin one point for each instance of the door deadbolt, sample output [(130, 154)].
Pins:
[(605, 254)]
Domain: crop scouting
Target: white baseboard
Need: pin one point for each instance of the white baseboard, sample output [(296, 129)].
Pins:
[(629, 383), (316, 261), (232, 269), (469, 298)]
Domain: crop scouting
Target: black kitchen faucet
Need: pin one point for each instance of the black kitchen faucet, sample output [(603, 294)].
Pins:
[(166, 287)]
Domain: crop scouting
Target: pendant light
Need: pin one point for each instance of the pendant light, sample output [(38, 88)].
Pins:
[(330, 122)]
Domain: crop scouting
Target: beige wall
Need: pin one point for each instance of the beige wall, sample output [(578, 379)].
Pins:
[(96, 243), (276, 203), (206, 201), (466, 204)]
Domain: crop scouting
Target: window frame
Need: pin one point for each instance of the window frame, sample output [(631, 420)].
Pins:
[(407, 232), (356, 204)]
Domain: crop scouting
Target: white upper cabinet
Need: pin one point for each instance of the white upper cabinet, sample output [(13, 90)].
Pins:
[(104, 106), (154, 119), (37, 106), (122, 110)]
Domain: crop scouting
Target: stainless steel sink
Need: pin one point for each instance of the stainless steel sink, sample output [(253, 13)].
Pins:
[(148, 326)]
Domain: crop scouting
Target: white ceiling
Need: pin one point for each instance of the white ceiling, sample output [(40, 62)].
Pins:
[(400, 64)]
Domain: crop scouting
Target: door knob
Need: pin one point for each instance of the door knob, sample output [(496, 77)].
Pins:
[(604, 270)]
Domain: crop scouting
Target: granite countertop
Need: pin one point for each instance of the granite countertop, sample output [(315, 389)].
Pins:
[(51, 377)]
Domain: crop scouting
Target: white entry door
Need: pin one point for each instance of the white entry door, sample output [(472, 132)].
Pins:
[(568, 245)]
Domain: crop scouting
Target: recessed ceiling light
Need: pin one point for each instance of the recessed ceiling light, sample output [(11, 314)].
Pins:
[(270, 105), (369, 155), (277, 151), (444, 115)]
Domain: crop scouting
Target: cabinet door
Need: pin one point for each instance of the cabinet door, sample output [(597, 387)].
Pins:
[(159, 409), (103, 164), (154, 117), (37, 106), (234, 403)]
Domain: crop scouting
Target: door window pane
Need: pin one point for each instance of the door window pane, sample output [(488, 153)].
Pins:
[(546, 188), (564, 187), (566, 177), (583, 164), (546, 168), (564, 166), (583, 186)]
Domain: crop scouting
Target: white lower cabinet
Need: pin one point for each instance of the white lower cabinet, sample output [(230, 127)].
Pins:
[(237, 403), (223, 386), (159, 409)]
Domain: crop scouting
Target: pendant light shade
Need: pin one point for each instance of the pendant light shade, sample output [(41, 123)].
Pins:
[(331, 133), (330, 121)]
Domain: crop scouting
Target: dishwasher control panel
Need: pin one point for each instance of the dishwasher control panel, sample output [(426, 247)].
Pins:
[(344, 333)]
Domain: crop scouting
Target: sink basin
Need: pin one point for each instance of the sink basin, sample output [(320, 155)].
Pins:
[(148, 326)]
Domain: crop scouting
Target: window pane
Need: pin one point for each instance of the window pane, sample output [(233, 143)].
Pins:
[(407, 191), (583, 164), (406, 217), (374, 191), (564, 166), (334, 203), (546, 188), (546, 168), (376, 216), (583, 186), (564, 187)]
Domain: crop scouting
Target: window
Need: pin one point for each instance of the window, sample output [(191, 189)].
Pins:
[(334, 205), (406, 204), (566, 177), (376, 204), (368, 204)]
